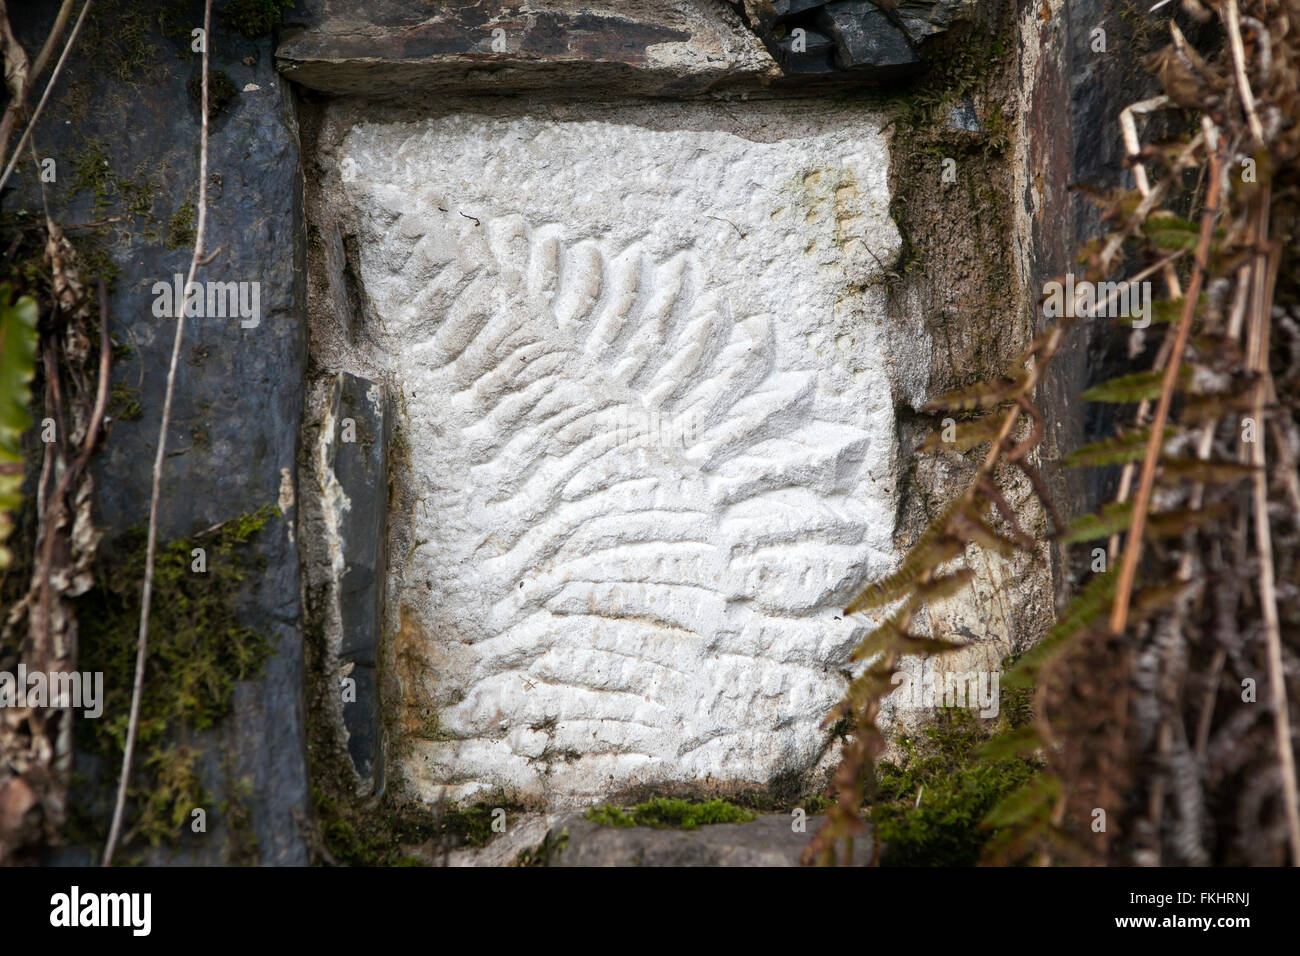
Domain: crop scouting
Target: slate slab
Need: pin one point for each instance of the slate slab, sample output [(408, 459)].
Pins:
[(395, 47), (123, 129)]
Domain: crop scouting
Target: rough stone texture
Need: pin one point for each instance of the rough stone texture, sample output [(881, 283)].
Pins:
[(355, 474), (651, 436), (767, 841), (394, 47), (866, 39), (239, 392), (924, 18)]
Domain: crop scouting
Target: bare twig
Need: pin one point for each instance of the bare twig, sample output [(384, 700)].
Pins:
[(1239, 68), (1133, 544), (1265, 273), (54, 77)]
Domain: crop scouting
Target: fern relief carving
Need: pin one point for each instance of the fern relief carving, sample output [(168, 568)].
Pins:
[(642, 500)]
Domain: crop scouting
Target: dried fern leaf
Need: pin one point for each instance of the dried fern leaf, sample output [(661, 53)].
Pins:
[(965, 435), (970, 526), (1210, 472), (979, 395), (1085, 608), (933, 548)]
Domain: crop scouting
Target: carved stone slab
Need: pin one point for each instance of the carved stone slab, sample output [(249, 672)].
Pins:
[(650, 430)]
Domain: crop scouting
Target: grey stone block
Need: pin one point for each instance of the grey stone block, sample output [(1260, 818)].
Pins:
[(866, 39)]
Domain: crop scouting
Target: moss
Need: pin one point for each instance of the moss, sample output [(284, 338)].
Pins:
[(198, 650), (94, 173), (669, 813), (388, 833), (180, 228), (544, 853), (221, 92), (254, 18), (124, 403), (929, 804), (119, 40), (241, 844)]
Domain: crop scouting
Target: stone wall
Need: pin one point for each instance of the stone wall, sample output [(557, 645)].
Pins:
[(589, 366)]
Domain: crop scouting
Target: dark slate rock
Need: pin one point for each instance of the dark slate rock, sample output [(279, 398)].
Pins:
[(866, 39), (383, 48), (234, 432), (361, 468), (817, 56), (924, 18), (783, 10), (962, 117), (767, 841)]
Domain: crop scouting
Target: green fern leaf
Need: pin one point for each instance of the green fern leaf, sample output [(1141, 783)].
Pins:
[(17, 367), (1131, 389), (1116, 450)]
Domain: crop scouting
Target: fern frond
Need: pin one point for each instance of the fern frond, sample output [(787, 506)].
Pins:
[(1116, 450), (1086, 607), (966, 435), (1209, 472), (1016, 742), (933, 548), (1034, 800), (1131, 389), (979, 395), (1117, 516), (970, 526)]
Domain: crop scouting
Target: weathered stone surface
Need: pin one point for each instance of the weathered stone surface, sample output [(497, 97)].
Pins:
[(238, 399), (783, 10), (356, 474), (651, 436), (767, 841), (866, 39), (817, 54), (924, 18), (636, 46)]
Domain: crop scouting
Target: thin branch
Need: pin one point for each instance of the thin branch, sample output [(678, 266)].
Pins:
[(54, 77), (1265, 274), (1146, 482), (1239, 67), (146, 596)]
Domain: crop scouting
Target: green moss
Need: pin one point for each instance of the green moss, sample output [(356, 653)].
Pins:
[(221, 92), (542, 855), (669, 813), (929, 804), (180, 228), (384, 833), (242, 844), (198, 650), (93, 172), (119, 40), (254, 18), (124, 403)]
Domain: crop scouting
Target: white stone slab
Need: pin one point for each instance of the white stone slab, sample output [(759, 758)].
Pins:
[(650, 432)]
